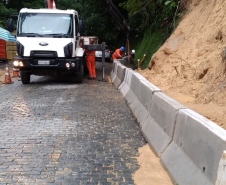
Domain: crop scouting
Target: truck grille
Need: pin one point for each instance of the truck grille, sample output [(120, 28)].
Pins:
[(43, 54)]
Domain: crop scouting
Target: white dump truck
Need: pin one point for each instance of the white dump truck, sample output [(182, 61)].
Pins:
[(48, 43)]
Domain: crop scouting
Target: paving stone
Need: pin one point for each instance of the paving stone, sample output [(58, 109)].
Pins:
[(58, 132)]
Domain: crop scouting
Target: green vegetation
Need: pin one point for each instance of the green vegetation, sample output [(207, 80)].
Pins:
[(151, 21), (150, 42), (148, 45)]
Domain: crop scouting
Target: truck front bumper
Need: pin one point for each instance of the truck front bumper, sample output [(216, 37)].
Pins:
[(59, 65)]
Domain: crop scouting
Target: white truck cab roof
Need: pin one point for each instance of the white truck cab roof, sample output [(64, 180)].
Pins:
[(26, 10)]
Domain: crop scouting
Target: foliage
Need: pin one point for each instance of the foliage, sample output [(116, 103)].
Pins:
[(36, 4), (4, 14), (98, 21), (145, 13), (148, 44), (151, 21)]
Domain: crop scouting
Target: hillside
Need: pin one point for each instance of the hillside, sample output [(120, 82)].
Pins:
[(190, 65)]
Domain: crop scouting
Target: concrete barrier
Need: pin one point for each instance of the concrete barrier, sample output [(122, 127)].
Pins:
[(189, 145), (138, 93), (122, 61), (114, 70), (158, 129), (194, 154), (221, 175), (120, 75), (125, 86), (144, 91)]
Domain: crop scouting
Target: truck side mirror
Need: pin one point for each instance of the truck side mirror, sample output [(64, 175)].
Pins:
[(10, 25), (81, 26)]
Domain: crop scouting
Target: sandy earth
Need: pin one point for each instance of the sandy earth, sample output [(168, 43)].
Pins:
[(151, 171), (190, 67)]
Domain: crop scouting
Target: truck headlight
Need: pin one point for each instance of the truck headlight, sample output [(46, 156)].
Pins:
[(16, 63), (21, 64), (67, 65)]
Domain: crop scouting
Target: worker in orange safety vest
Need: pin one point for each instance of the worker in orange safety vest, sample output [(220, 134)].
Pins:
[(118, 53), (90, 62)]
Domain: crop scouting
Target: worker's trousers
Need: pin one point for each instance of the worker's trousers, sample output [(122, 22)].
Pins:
[(90, 62)]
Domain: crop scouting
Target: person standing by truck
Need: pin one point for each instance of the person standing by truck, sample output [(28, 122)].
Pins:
[(118, 53), (90, 62)]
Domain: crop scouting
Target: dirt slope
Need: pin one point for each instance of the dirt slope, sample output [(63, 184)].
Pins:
[(191, 65)]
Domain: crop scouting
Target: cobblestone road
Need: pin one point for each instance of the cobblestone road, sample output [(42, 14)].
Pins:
[(57, 132)]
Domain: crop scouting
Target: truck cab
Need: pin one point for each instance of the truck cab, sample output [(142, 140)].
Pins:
[(48, 43)]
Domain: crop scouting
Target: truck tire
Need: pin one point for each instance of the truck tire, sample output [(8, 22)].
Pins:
[(25, 77), (79, 77)]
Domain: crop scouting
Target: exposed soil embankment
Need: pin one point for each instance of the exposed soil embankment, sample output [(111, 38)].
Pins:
[(191, 65)]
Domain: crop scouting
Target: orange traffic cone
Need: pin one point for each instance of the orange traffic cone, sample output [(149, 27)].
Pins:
[(54, 5), (15, 73), (7, 76)]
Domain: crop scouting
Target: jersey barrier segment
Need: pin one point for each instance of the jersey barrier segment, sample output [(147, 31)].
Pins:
[(191, 148)]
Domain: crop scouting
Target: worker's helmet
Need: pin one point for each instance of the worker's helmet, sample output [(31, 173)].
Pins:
[(122, 48)]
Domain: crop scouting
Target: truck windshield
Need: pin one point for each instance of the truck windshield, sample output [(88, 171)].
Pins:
[(45, 25)]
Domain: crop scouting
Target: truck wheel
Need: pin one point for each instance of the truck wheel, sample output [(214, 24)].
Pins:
[(25, 77), (86, 71), (79, 77)]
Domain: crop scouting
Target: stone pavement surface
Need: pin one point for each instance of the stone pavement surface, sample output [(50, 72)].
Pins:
[(57, 132)]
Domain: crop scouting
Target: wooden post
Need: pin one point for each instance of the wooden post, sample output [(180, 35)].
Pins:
[(129, 54), (142, 60), (128, 51)]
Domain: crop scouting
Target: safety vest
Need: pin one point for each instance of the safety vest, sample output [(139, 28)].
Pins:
[(117, 54), (90, 53)]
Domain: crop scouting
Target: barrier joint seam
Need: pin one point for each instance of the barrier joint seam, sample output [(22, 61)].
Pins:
[(174, 128), (144, 121), (155, 91)]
